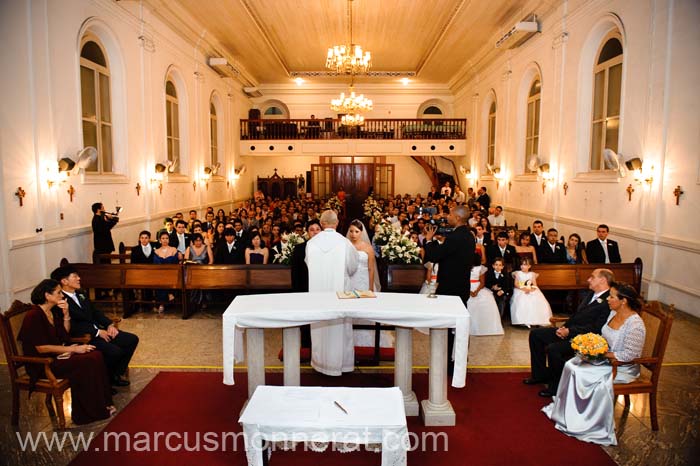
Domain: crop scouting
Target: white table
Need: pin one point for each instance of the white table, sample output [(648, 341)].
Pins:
[(405, 311), (310, 415)]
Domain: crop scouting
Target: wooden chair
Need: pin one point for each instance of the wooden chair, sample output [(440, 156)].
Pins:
[(657, 321), (10, 323)]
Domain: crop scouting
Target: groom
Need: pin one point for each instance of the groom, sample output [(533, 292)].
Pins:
[(331, 259)]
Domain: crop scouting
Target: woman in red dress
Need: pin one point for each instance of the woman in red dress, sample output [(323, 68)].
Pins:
[(45, 331)]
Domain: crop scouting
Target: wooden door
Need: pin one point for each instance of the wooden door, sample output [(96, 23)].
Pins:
[(355, 179)]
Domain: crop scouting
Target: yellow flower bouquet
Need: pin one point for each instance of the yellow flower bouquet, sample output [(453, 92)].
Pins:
[(590, 347)]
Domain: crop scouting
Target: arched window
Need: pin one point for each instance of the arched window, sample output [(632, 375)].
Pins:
[(274, 111), (213, 134), (491, 144), (432, 110), (532, 131), (96, 103), (172, 123), (607, 91)]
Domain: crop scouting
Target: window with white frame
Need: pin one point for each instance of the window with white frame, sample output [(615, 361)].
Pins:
[(532, 131), (213, 127), (172, 123), (491, 144), (432, 111), (96, 103), (607, 92)]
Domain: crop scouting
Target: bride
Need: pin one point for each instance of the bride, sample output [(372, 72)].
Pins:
[(365, 278)]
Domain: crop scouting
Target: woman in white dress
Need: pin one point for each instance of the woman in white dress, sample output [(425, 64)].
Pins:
[(584, 404), (484, 316), (528, 306), (365, 278)]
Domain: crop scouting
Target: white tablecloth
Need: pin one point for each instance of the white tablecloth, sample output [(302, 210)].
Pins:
[(294, 309), (309, 414)]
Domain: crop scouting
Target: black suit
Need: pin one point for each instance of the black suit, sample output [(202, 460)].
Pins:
[(102, 233), (545, 255), (175, 241), (500, 283), (509, 255), (223, 256), (138, 257), (546, 346), (596, 255), (487, 241), (455, 258), (86, 318), (300, 283), (533, 242), (484, 201)]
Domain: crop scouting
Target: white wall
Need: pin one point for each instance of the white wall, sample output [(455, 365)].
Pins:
[(659, 124), (40, 116)]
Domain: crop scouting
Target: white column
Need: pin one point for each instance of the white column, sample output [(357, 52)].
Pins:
[(291, 345), (255, 352), (437, 410), (403, 371)]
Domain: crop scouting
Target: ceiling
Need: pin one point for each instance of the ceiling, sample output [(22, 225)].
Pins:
[(437, 40)]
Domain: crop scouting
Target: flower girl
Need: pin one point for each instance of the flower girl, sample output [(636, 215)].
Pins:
[(528, 306), (485, 319)]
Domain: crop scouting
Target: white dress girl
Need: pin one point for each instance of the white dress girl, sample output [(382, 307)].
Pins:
[(483, 311), (528, 306)]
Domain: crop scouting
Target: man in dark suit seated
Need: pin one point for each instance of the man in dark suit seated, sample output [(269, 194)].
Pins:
[(503, 250), (603, 250), (117, 347), (142, 253), (181, 237), (552, 345), (484, 199), (455, 259), (481, 237), (537, 237), (499, 283), (169, 226), (551, 251), (229, 251)]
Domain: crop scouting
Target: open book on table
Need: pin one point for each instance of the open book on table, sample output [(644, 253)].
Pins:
[(354, 294)]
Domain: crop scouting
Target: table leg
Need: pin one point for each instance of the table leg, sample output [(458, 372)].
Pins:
[(255, 352), (437, 410), (403, 371), (291, 345)]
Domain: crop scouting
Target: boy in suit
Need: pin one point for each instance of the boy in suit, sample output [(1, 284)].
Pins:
[(499, 284)]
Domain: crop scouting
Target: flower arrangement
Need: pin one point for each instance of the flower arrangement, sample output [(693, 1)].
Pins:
[(369, 207), (399, 249), (290, 241), (334, 203), (383, 231), (590, 346)]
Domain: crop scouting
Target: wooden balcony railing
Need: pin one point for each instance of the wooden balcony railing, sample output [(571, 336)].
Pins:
[(329, 128)]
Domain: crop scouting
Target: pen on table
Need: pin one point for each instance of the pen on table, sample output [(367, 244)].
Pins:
[(341, 408)]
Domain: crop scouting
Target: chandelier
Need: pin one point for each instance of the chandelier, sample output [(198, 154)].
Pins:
[(348, 58), (352, 105)]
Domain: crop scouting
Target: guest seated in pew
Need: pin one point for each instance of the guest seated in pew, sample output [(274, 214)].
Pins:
[(198, 252), (584, 402), (551, 251), (575, 252), (143, 252), (230, 251), (45, 332), (117, 347), (256, 253), (165, 254), (503, 250), (498, 281), (603, 250), (525, 249), (550, 347)]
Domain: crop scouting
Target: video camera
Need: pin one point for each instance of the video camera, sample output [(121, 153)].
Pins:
[(444, 228)]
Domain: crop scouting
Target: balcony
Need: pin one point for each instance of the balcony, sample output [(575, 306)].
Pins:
[(329, 129)]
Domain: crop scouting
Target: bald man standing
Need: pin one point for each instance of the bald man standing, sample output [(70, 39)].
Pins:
[(331, 259)]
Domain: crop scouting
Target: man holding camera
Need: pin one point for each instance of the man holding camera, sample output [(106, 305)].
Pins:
[(454, 258), (102, 224)]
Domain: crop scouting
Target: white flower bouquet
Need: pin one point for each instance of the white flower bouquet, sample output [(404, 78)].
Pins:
[(400, 249), (290, 241)]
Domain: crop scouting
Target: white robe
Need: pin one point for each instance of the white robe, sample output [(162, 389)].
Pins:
[(331, 259)]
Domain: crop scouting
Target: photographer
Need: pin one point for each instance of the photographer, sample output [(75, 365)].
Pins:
[(454, 258), (102, 224)]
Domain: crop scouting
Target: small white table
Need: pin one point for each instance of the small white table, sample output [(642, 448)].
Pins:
[(405, 311), (310, 414)]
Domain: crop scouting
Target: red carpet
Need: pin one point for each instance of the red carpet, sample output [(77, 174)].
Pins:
[(499, 423)]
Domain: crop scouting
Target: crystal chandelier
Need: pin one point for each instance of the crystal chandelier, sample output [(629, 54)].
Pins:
[(348, 58), (352, 119), (351, 103)]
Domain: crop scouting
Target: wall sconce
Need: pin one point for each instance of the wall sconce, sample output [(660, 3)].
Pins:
[(640, 172), (544, 172), (158, 175), (206, 176), (498, 176)]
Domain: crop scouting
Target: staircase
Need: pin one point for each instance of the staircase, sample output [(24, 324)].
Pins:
[(437, 177)]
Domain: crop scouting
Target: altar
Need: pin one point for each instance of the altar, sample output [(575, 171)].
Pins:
[(254, 313)]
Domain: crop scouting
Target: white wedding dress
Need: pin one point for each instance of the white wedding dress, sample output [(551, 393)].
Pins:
[(485, 318), (360, 281)]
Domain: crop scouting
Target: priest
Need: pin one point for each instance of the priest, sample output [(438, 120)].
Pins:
[(331, 259)]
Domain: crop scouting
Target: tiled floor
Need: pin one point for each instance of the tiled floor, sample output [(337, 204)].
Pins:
[(169, 343)]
